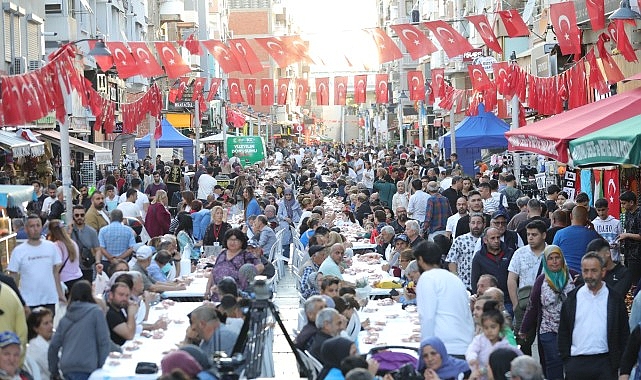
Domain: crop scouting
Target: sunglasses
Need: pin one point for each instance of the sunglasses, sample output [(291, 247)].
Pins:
[(78, 215)]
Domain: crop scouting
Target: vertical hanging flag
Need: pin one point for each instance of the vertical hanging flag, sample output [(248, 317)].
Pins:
[(302, 88), (245, 55), (438, 82), (479, 78), (612, 71), (235, 96), (214, 84), (250, 91), (618, 34), (360, 89), (414, 40), (173, 62), (199, 88), (223, 55), (486, 32), (177, 91), (381, 89), (595, 78), (514, 24), (266, 92), (612, 191), (563, 17), (146, 63), (322, 91), (125, 62), (416, 85), (340, 90), (387, 49), (452, 42), (283, 89), (596, 12), (500, 70), (598, 185)]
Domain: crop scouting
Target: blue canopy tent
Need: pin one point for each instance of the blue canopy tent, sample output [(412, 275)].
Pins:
[(171, 138), (483, 131)]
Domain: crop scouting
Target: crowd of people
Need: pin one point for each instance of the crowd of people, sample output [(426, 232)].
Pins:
[(489, 269)]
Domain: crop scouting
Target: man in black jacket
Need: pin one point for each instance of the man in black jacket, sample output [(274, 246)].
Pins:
[(593, 328)]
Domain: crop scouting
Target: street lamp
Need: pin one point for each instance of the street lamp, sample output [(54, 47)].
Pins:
[(401, 98), (625, 12)]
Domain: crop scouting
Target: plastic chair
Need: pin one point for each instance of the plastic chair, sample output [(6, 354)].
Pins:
[(312, 365)]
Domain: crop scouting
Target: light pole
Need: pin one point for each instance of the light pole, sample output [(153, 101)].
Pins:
[(401, 98)]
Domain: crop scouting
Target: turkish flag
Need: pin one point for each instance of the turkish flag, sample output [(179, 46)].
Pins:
[(563, 17), (595, 78), (145, 61), (235, 118), (283, 89), (157, 130), (387, 49), (302, 88), (612, 71), (577, 90), (490, 99), (360, 89), (214, 83), (192, 45), (596, 12), (452, 42), (438, 82), (298, 47), (416, 84), (223, 55), (267, 92), (235, 96), (278, 50), (501, 70), (249, 62), (414, 40), (125, 62), (479, 78), (31, 103), (12, 102), (514, 25), (173, 62), (486, 32), (322, 91), (340, 90), (618, 34), (176, 93), (381, 89), (199, 88), (250, 91), (612, 191)]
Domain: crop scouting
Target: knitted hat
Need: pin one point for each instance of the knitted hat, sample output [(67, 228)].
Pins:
[(180, 360)]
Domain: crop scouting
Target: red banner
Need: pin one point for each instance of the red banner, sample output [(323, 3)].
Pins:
[(611, 191)]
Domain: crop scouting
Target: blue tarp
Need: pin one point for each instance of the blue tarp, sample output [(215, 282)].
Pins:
[(171, 138), (483, 131)]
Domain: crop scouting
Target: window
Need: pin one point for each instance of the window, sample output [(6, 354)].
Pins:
[(7, 36), (33, 43)]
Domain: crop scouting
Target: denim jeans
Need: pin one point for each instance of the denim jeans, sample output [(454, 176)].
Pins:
[(553, 363)]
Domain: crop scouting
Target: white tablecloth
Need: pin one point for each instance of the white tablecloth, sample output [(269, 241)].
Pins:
[(150, 349), (374, 272), (398, 329), (195, 290)]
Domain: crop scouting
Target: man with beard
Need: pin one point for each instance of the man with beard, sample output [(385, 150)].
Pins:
[(593, 328), (87, 239), (461, 211), (46, 204), (459, 258), (474, 205), (453, 192), (121, 316), (155, 186), (96, 217), (401, 218)]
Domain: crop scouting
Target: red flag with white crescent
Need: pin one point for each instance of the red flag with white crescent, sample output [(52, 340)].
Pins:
[(479, 78), (486, 32), (299, 47), (340, 90), (147, 64), (283, 89), (249, 61), (198, 88), (387, 49), (596, 12), (452, 42), (12, 102), (618, 34), (595, 77), (360, 89), (612, 71), (382, 95), (176, 93), (250, 91), (563, 17), (192, 45), (278, 50), (438, 82), (223, 55), (124, 60), (500, 70), (322, 91), (214, 84), (514, 24), (267, 92), (416, 85), (302, 88), (414, 40), (612, 191), (235, 96), (173, 62)]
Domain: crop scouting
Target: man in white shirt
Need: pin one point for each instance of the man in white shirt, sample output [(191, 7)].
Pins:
[(418, 202), (142, 200), (442, 302), (51, 199), (206, 184), (129, 208), (593, 328), (461, 208), (359, 166)]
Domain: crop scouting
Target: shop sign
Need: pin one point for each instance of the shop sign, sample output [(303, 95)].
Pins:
[(249, 149)]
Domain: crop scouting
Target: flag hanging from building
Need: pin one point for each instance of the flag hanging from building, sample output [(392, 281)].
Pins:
[(414, 40), (486, 32)]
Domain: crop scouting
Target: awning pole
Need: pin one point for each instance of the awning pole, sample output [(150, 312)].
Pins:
[(152, 141)]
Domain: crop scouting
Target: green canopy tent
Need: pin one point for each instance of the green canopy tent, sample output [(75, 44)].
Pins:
[(618, 144)]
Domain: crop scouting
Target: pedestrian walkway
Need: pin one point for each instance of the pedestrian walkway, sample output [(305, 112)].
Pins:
[(287, 302)]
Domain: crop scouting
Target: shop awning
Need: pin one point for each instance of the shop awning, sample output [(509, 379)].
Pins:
[(36, 149), (213, 138), (550, 137), (101, 155), (18, 147), (15, 195), (618, 144)]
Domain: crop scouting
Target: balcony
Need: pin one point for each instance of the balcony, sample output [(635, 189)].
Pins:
[(171, 10)]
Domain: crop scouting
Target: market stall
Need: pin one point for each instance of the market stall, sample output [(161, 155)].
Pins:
[(171, 138)]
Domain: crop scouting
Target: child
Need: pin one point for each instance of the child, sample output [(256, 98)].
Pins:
[(478, 353), (477, 312)]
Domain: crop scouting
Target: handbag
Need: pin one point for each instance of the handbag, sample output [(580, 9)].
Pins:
[(146, 368)]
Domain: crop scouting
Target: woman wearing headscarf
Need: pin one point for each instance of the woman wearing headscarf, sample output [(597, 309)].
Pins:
[(289, 213), (500, 363), (548, 293), (434, 359), (332, 353)]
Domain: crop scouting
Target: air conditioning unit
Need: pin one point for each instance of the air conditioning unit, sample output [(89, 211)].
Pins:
[(19, 66), (36, 64)]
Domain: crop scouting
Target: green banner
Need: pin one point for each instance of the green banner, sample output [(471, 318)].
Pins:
[(250, 149)]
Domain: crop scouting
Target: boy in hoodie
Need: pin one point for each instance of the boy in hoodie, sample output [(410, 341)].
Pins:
[(607, 226)]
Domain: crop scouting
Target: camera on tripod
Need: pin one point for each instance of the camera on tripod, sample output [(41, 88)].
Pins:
[(406, 372)]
